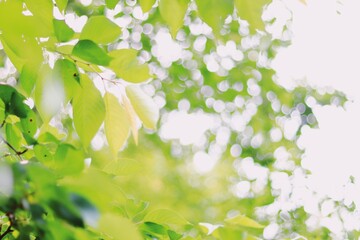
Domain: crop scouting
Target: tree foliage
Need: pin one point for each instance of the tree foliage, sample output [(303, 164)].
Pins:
[(73, 97)]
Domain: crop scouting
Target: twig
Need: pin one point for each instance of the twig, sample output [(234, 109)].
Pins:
[(18, 153)]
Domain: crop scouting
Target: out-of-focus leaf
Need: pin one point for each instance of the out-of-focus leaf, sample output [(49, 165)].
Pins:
[(144, 106), (118, 228), (89, 111), (68, 159), (100, 30), (111, 3), (62, 31), (61, 4), (122, 167), (166, 217), (89, 51), (117, 125), (251, 11), (243, 221), (146, 5), (214, 12), (126, 66), (173, 12), (49, 93)]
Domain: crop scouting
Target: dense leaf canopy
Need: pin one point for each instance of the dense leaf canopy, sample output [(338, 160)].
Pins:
[(80, 78)]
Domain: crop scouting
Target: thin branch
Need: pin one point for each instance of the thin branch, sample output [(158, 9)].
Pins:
[(18, 153)]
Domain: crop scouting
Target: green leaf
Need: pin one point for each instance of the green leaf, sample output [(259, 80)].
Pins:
[(166, 217), (27, 79), (41, 8), (62, 31), (118, 228), (146, 5), (243, 221), (100, 30), (68, 159), (67, 72), (122, 167), (126, 66), (173, 12), (214, 12), (14, 101), (117, 125), (89, 111), (2, 111), (61, 4), (14, 136), (29, 124), (89, 51), (111, 4), (251, 11), (143, 105), (43, 154)]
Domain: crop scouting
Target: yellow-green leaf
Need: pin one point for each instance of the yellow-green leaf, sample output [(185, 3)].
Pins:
[(2, 111), (146, 5), (100, 30), (89, 51), (143, 105), (118, 228), (126, 66), (214, 12), (62, 31), (111, 3), (117, 125), (132, 118), (122, 167), (173, 12), (243, 221), (66, 71), (89, 110), (166, 217), (251, 11), (61, 4)]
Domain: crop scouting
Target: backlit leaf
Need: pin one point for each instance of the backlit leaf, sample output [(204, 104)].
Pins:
[(62, 31), (173, 12), (89, 111), (132, 118), (251, 11), (68, 159), (243, 221), (166, 217), (118, 228), (100, 30), (111, 3), (126, 66), (61, 4), (89, 51), (122, 167), (117, 125), (144, 106), (146, 5), (66, 71), (214, 12)]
